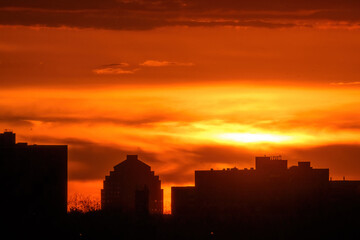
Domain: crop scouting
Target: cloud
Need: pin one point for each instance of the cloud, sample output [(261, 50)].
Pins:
[(124, 68), (115, 65), (178, 167), (27, 120), (341, 159), (181, 163), (345, 83), (114, 69), (142, 15), (90, 160), (87, 160), (156, 63)]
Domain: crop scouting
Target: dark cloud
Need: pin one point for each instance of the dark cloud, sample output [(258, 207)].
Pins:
[(341, 159), (115, 68), (27, 120), (97, 160), (87, 160), (221, 154), (141, 14), (92, 161), (15, 121), (204, 157)]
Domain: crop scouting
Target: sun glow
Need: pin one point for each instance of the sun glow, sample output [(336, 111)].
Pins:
[(253, 137)]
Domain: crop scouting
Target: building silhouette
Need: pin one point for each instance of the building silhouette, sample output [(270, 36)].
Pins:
[(33, 179), (270, 188), (132, 187)]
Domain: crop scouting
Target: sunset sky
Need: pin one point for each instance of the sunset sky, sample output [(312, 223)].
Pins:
[(184, 84)]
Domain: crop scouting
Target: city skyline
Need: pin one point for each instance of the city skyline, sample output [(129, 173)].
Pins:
[(270, 201), (95, 196), (132, 187), (184, 84)]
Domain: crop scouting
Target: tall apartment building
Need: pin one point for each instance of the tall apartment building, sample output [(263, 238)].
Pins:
[(33, 179)]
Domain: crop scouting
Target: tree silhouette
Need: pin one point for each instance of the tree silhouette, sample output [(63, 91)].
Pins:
[(81, 203)]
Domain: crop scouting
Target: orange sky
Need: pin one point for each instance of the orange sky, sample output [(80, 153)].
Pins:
[(182, 85)]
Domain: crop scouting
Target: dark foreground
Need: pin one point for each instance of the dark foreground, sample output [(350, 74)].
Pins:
[(104, 225)]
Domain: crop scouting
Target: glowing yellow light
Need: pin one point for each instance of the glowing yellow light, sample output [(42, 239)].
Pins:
[(253, 137)]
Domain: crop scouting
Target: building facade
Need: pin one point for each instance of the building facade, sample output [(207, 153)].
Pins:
[(132, 187)]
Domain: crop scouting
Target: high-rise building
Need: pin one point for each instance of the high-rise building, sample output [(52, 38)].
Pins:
[(33, 179), (132, 187)]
